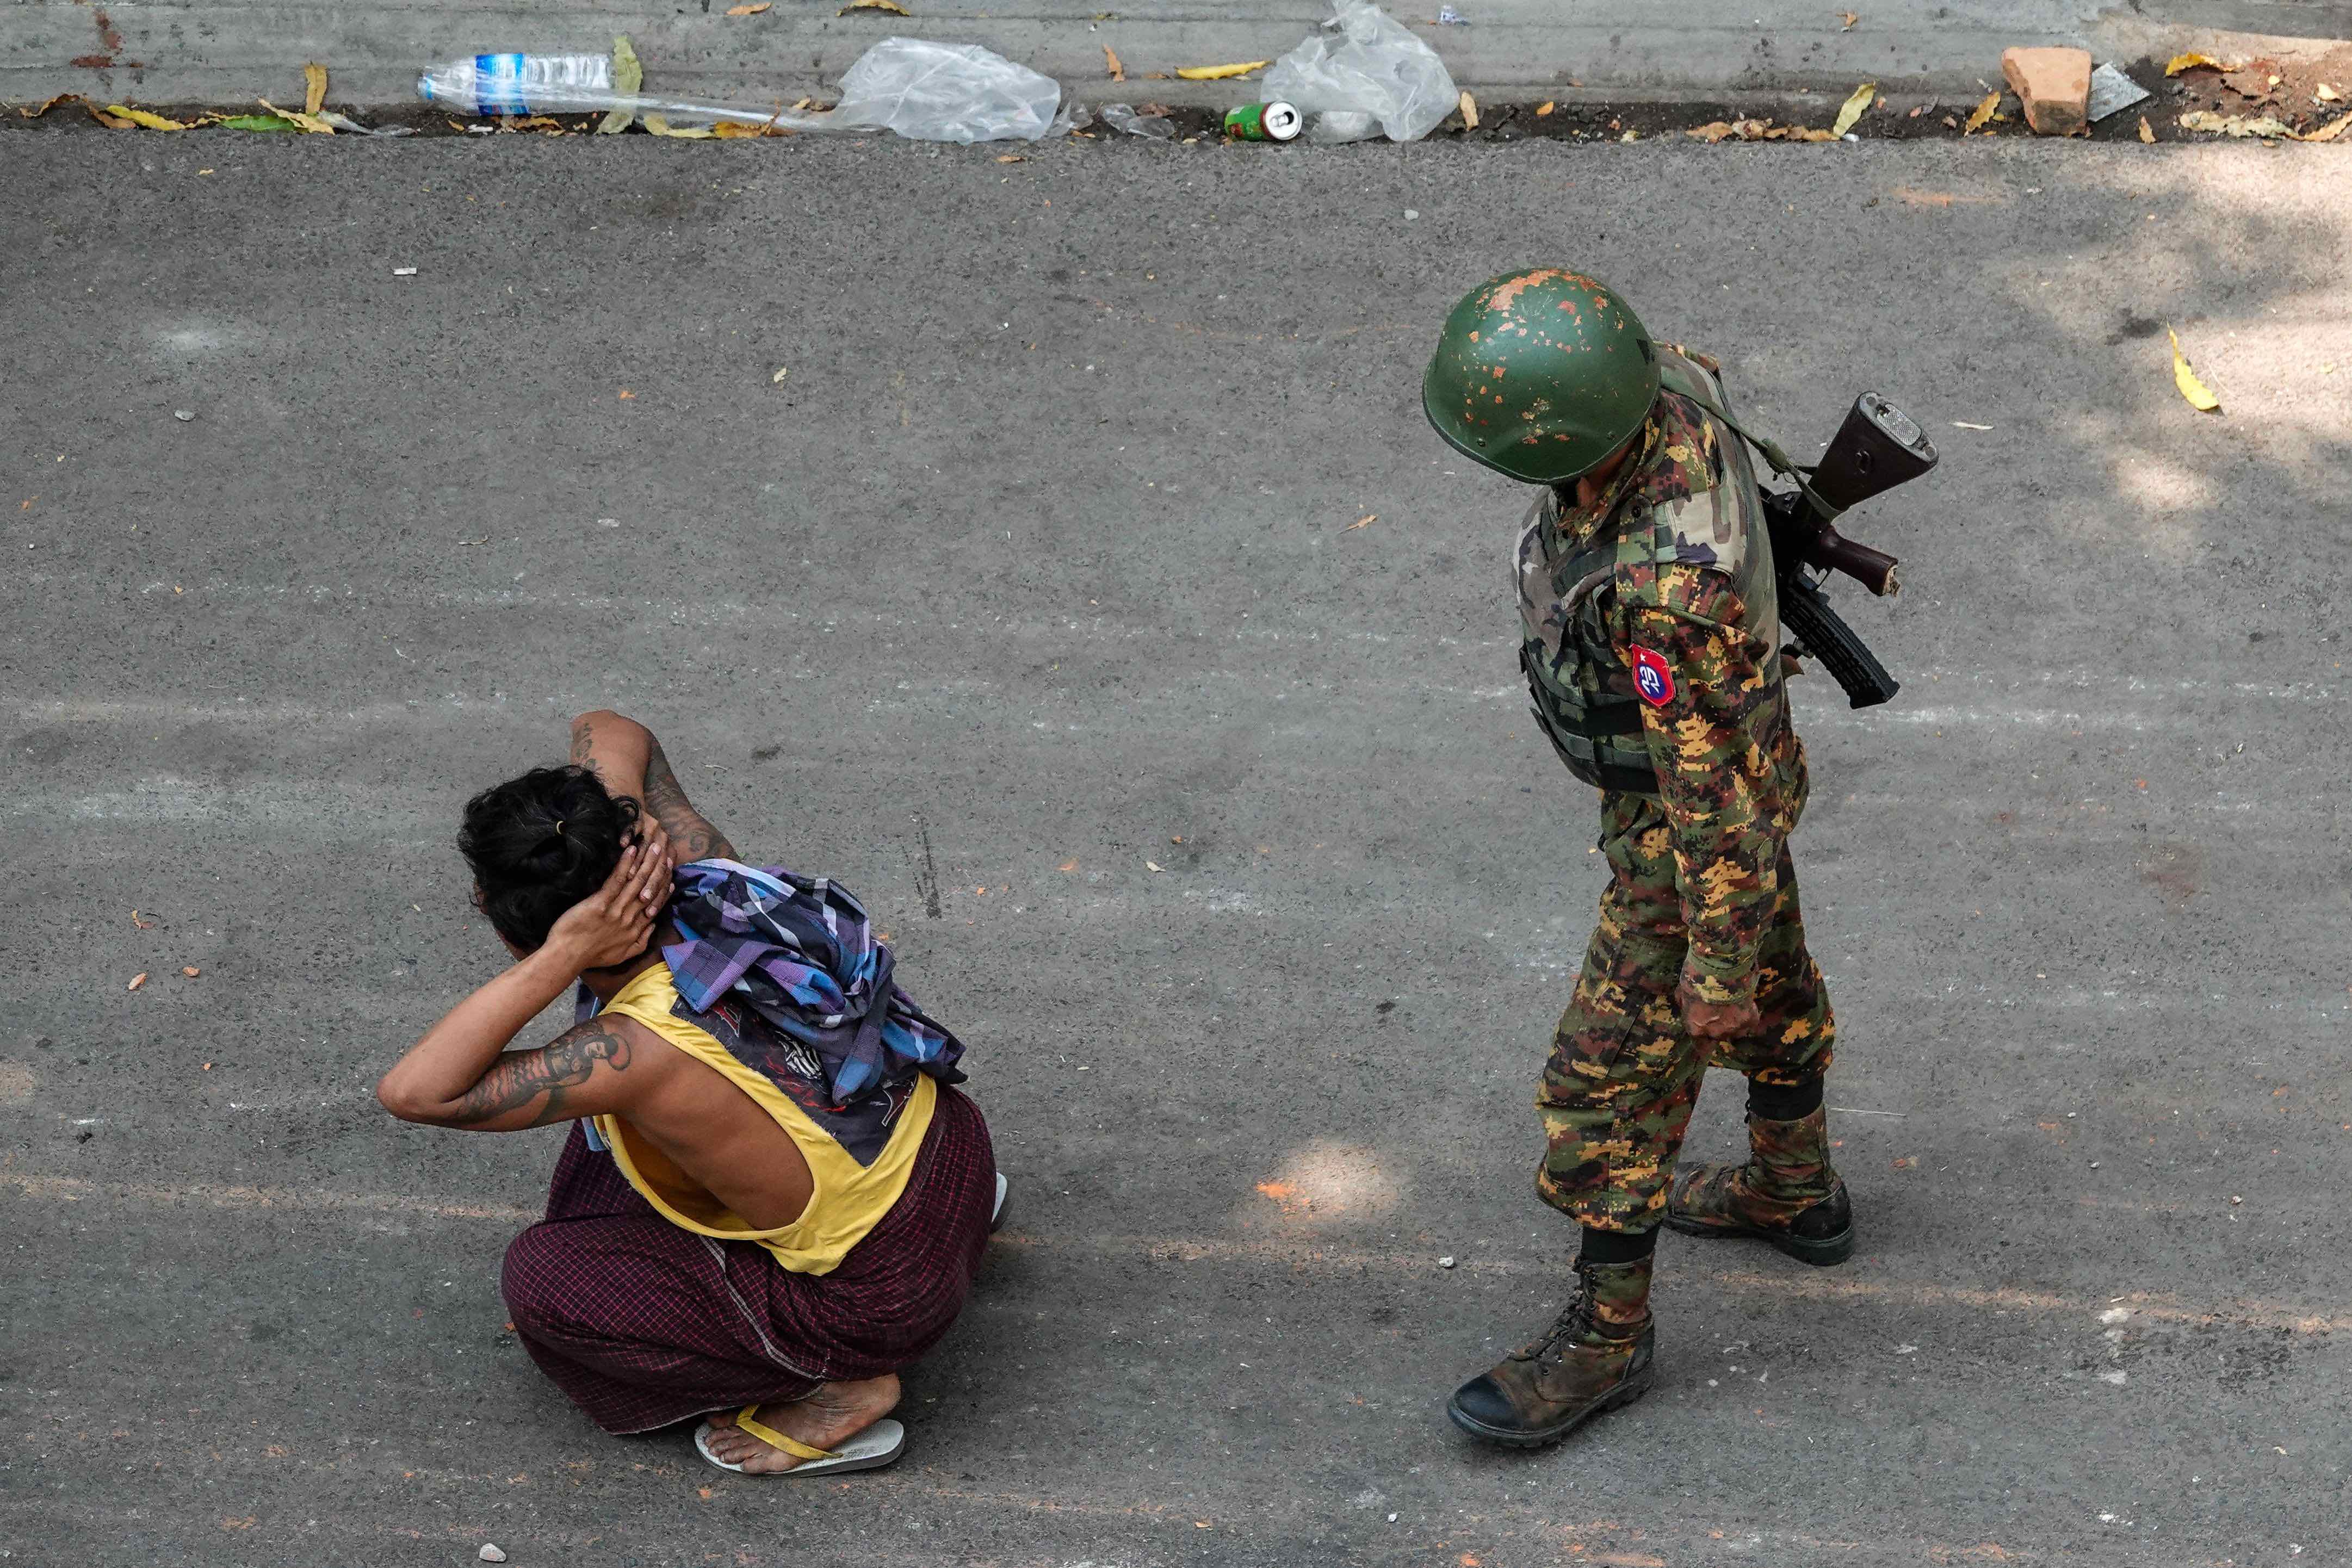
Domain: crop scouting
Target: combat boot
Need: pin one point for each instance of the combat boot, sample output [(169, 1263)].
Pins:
[(1786, 1194), (1596, 1357)]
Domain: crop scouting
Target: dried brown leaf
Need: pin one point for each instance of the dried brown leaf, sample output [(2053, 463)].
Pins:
[(314, 87), (1110, 62), (2146, 132), (1545, 109), (890, 5), (1469, 112), (137, 980), (748, 10)]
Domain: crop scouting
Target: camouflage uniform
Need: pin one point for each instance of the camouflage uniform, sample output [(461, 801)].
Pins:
[(1680, 612)]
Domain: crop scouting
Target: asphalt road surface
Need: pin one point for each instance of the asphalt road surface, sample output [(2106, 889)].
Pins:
[(1031, 605)]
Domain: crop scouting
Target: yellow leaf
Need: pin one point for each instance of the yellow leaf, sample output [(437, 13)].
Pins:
[(748, 10), (1545, 109), (1848, 19), (737, 130), (2199, 396), (659, 125), (141, 116), (2326, 94), (1817, 135), (36, 110), (1219, 73), (1368, 518), (1469, 112), (629, 76), (2237, 125), (2146, 132), (111, 121), (1856, 101), (1011, 158), (1110, 61), (890, 5), (1982, 112), (2331, 130), (314, 87), (2179, 63), (1711, 133), (309, 122)]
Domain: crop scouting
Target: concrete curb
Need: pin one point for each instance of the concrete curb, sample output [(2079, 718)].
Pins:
[(1733, 52)]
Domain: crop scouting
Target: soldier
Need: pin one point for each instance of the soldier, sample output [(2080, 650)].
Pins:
[(1651, 648)]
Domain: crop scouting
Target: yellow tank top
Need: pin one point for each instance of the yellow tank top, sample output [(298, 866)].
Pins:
[(848, 1200)]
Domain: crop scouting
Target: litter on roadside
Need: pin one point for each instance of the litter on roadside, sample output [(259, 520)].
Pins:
[(1263, 122), (1374, 77), (2112, 92), (928, 91), (1123, 117)]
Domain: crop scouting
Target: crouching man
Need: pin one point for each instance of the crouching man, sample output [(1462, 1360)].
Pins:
[(772, 1199)]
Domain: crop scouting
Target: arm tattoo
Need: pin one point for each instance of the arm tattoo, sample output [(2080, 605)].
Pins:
[(519, 1077), (689, 831), (584, 742)]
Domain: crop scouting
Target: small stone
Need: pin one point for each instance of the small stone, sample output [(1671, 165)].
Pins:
[(2055, 85), (183, 414), (490, 1554), (1445, 1262)]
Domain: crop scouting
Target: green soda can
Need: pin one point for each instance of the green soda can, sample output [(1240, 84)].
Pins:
[(1263, 122)]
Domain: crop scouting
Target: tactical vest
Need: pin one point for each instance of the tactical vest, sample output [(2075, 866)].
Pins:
[(1584, 694)]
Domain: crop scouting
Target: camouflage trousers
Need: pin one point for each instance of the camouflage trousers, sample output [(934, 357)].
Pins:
[(1617, 1093)]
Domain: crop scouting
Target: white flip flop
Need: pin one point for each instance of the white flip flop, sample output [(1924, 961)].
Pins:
[(876, 1447), (996, 1213)]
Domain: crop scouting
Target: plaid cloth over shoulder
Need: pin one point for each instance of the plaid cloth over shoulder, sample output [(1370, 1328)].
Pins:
[(800, 952)]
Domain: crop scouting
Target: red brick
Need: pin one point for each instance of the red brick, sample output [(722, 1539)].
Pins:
[(2055, 85)]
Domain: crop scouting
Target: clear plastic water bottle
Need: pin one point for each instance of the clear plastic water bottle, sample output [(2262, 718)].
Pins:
[(520, 84)]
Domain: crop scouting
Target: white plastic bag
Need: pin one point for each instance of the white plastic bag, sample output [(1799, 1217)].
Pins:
[(1376, 67), (945, 92)]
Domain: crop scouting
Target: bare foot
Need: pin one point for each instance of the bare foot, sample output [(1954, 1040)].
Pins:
[(827, 1418)]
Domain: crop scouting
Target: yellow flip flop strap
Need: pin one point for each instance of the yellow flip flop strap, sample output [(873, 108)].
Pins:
[(775, 1439)]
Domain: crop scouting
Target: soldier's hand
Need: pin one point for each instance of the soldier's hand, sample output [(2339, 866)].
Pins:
[(1716, 1020)]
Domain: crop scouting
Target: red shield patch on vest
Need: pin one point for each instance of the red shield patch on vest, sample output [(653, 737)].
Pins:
[(1652, 677)]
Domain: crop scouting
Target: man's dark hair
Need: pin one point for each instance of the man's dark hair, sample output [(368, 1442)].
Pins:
[(541, 843)]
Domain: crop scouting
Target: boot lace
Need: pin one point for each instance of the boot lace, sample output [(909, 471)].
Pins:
[(1574, 1319)]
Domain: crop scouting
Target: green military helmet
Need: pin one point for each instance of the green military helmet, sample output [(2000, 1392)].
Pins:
[(1540, 374)]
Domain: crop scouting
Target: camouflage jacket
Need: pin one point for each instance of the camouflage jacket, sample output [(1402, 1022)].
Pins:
[(1687, 621)]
